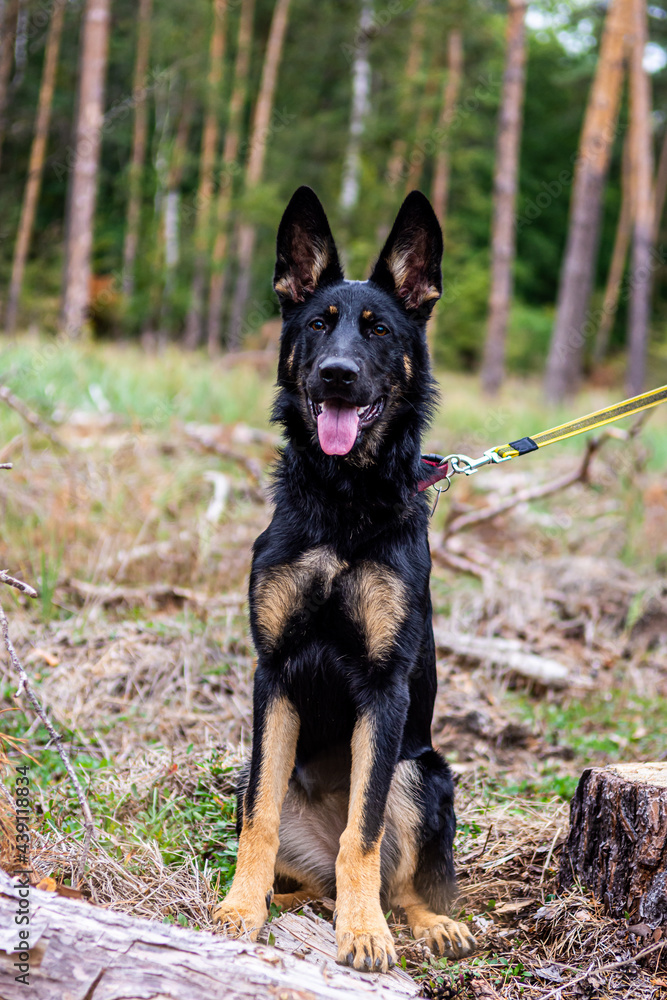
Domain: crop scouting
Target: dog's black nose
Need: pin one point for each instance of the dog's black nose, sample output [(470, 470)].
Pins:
[(339, 371)]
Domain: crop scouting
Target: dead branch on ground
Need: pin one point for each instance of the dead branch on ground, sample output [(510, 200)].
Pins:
[(30, 416)]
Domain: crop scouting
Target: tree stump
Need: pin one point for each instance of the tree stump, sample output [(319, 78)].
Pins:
[(617, 845)]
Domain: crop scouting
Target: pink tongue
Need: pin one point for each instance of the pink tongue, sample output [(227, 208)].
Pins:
[(337, 427)]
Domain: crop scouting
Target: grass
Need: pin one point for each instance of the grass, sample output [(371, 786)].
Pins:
[(152, 693)]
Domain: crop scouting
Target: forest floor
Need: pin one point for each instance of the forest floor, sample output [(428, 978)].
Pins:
[(134, 517)]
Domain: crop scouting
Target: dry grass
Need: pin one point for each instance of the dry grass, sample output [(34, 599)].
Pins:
[(140, 650)]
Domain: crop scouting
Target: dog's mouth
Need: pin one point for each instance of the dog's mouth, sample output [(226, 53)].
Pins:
[(339, 423)]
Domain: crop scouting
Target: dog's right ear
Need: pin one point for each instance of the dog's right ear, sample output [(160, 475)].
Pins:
[(307, 258)]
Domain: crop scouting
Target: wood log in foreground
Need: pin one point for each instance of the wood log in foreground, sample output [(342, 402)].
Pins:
[(79, 951), (617, 845)]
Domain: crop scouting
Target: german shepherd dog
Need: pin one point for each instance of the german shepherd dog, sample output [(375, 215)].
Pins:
[(344, 794)]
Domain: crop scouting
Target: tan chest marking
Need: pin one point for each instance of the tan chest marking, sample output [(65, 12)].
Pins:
[(282, 590), (376, 600)]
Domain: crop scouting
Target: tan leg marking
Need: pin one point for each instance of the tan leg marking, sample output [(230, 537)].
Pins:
[(292, 900), (442, 935), (245, 907), (377, 601), (362, 935), (281, 590)]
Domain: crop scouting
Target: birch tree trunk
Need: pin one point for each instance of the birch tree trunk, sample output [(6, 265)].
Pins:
[(361, 89), (255, 164), (36, 165), (171, 209), (7, 37), (144, 13), (618, 258), (564, 362), (642, 234), (83, 189), (503, 237), (440, 187), (228, 169), (397, 166), (194, 322)]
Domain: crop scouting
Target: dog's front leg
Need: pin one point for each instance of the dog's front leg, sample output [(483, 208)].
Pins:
[(275, 732), (362, 935)]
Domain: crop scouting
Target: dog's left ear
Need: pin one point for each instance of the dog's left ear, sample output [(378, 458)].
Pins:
[(306, 258), (409, 265)]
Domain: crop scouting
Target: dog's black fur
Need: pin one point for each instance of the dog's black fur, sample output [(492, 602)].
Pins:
[(340, 607)]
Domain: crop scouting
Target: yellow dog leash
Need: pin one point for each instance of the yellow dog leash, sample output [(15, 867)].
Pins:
[(463, 464)]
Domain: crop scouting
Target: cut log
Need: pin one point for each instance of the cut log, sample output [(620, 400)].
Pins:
[(617, 845), (79, 951)]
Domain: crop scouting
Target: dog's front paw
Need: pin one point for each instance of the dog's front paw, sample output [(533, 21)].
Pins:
[(240, 917), (446, 937), (368, 949)]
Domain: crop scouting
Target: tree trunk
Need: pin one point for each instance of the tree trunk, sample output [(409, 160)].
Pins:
[(440, 187), (255, 165), (36, 165), (144, 12), (228, 169), (398, 166), (171, 210), (642, 236), (617, 845), (195, 324), (9, 19), (361, 90), (660, 189), (597, 139), (80, 950), (503, 237), (83, 190), (617, 266)]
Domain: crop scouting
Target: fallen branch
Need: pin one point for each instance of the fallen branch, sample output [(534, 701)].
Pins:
[(11, 581), (81, 945), (56, 739), (508, 654), (113, 594), (30, 416), (206, 438)]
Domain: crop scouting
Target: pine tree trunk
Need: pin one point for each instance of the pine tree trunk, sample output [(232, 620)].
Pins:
[(255, 165), (642, 235), (36, 165), (144, 12), (361, 90), (440, 188), (398, 166), (660, 189), (227, 172), (7, 38), (564, 363), (617, 845), (618, 258), (195, 322), (83, 184), (503, 237)]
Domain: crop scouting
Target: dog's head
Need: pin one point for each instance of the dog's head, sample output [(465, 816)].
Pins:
[(353, 358)]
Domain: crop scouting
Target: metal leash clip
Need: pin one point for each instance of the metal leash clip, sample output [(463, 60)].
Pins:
[(464, 465)]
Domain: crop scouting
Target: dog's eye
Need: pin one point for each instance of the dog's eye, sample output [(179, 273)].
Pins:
[(380, 330), (317, 325)]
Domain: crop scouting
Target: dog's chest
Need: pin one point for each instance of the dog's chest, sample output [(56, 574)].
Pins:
[(365, 596)]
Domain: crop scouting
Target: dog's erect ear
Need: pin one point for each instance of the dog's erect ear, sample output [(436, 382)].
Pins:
[(307, 258), (409, 265)]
